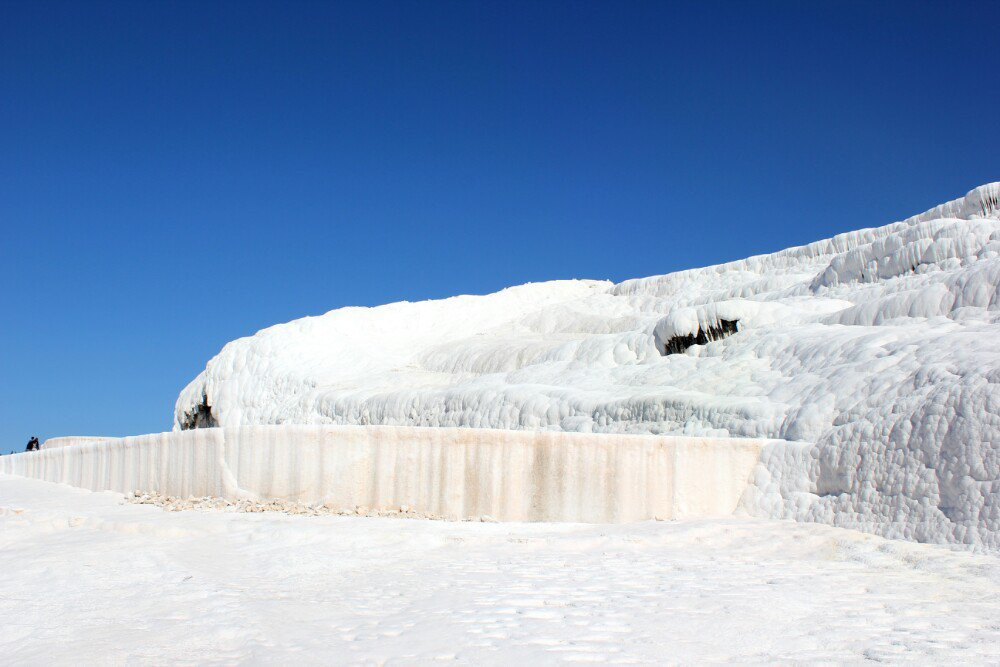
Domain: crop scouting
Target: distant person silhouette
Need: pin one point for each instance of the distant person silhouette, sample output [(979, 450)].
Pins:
[(33, 444)]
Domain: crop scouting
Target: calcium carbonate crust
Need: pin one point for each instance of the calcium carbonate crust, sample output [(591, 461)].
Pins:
[(875, 354)]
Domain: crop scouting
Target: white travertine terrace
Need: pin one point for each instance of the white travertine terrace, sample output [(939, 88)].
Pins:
[(450, 472), (878, 348), (71, 440), (869, 363)]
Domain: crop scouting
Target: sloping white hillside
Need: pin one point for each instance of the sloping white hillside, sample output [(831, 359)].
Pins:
[(878, 351)]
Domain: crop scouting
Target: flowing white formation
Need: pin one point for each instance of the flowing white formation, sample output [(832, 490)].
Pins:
[(447, 472), (877, 351)]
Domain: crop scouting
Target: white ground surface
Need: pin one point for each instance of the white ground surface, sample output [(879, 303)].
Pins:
[(86, 579)]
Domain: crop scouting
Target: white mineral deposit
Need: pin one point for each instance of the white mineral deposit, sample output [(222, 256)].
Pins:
[(790, 458), (875, 356)]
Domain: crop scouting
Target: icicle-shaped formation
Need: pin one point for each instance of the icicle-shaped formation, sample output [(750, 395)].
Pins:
[(678, 344)]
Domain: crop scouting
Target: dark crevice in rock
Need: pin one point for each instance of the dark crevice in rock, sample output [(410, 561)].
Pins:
[(199, 417), (678, 344), (989, 204)]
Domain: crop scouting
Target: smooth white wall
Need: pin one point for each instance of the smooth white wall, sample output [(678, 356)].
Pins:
[(70, 440), (508, 475)]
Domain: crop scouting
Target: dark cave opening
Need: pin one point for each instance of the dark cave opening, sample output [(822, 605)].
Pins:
[(678, 344), (989, 204), (200, 416)]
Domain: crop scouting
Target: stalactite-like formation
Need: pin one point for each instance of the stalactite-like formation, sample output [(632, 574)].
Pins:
[(200, 416), (990, 203), (678, 344)]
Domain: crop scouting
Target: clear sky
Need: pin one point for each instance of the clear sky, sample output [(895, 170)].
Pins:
[(176, 175)]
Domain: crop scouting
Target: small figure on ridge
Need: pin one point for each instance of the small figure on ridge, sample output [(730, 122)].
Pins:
[(33, 444)]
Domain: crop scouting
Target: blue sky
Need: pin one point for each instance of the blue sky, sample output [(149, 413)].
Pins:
[(177, 175)]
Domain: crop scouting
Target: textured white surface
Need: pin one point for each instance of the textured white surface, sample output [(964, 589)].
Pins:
[(467, 473), (87, 580), (71, 440), (880, 346)]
